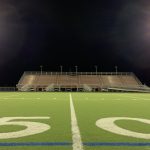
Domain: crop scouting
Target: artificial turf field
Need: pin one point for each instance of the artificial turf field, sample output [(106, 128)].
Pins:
[(89, 108)]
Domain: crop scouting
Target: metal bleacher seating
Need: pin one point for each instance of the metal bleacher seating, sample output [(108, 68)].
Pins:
[(97, 81)]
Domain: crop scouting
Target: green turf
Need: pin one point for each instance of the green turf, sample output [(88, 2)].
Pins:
[(134, 126), (10, 128), (50, 104), (89, 108)]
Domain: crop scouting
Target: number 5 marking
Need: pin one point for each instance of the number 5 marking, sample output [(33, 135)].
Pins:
[(32, 127)]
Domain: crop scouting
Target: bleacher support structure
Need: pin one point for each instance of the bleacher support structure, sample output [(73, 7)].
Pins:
[(76, 81)]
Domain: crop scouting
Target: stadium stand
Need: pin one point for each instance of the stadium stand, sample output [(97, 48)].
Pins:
[(71, 81), (89, 80)]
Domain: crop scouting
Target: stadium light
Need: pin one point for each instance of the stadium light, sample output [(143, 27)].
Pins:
[(41, 69), (76, 69), (116, 68), (61, 69), (96, 69)]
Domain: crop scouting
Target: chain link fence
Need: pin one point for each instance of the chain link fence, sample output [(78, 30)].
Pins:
[(8, 89)]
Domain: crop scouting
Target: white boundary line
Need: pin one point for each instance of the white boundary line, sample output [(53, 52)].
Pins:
[(76, 136), (7, 96), (136, 98), (20, 98)]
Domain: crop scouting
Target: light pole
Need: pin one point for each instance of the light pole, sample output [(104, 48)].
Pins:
[(96, 69), (116, 68), (41, 69), (76, 69), (61, 69)]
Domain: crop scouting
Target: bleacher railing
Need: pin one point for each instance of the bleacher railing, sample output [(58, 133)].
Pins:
[(75, 73)]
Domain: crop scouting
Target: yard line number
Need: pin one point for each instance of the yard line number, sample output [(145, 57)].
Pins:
[(31, 127), (108, 124)]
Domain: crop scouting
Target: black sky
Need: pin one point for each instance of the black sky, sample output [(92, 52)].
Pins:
[(84, 33)]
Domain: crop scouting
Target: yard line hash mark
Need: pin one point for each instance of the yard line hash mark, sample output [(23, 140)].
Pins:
[(76, 136)]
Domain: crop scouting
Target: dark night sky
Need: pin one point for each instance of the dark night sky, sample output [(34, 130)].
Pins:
[(85, 33)]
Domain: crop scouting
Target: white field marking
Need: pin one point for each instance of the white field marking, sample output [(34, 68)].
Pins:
[(19, 98), (144, 95), (31, 127), (108, 124), (102, 99), (118, 99), (137, 98), (15, 95), (6, 97), (76, 136), (134, 99)]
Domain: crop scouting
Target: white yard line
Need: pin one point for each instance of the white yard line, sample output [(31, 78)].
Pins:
[(7, 96), (19, 98), (76, 136), (135, 98)]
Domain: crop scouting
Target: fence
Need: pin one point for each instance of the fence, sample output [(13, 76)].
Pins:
[(8, 89), (75, 73)]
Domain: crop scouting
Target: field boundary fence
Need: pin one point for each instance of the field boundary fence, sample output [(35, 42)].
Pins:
[(8, 89)]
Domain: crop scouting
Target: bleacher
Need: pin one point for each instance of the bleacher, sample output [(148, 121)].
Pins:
[(100, 81), (89, 80)]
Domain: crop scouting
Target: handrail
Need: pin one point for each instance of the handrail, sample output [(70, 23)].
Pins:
[(76, 73)]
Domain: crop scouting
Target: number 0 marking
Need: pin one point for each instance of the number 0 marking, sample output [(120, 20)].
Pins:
[(108, 124), (32, 127)]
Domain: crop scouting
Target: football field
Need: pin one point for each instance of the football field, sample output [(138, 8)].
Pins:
[(74, 121)]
